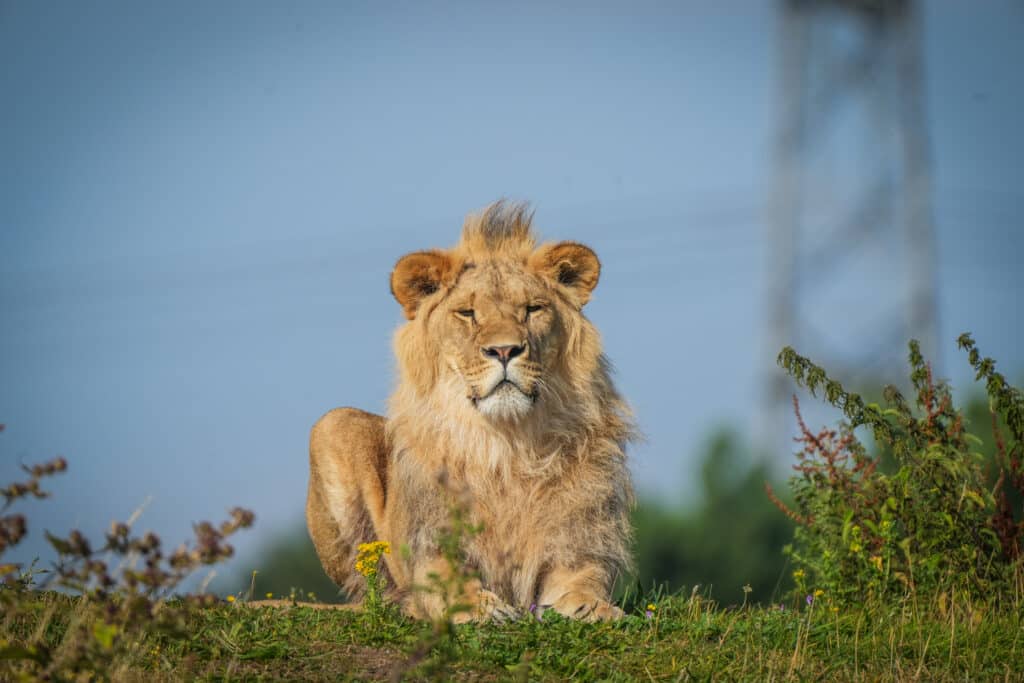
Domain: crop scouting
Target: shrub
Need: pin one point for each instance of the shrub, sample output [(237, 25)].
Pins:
[(930, 526)]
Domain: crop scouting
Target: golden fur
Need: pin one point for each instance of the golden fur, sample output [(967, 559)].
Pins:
[(504, 402)]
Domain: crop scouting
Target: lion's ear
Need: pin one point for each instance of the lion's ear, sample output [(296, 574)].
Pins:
[(418, 275), (570, 265)]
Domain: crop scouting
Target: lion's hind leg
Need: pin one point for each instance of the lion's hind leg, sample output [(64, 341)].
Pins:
[(345, 503)]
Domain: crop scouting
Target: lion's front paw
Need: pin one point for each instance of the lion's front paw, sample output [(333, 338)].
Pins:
[(486, 606), (586, 607)]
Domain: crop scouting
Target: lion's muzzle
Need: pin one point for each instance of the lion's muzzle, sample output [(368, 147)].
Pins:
[(505, 390)]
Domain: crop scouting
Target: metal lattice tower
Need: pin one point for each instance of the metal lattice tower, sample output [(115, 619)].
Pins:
[(851, 274)]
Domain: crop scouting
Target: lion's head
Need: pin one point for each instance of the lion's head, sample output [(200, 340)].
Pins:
[(495, 327)]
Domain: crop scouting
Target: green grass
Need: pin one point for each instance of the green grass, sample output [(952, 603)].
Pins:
[(687, 639)]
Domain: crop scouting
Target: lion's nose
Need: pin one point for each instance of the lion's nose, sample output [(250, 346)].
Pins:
[(503, 353)]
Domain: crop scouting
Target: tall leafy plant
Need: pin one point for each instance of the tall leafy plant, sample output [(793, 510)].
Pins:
[(931, 524)]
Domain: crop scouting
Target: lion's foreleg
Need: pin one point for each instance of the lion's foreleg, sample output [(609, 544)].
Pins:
[(580, 593)]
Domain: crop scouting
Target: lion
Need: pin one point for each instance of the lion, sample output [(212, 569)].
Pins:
[(505, 404)]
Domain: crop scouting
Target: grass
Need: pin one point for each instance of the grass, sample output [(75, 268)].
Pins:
[(685, 639)]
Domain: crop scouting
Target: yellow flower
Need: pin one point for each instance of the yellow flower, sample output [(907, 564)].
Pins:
[(651, 607), (798, 574), (369, 555), (877, 561), (230, 598), (374, 548), (818, 592), (855, 547), (834, 609), (270, 595)]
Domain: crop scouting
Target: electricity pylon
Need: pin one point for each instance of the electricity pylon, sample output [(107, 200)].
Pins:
[(851, 272)]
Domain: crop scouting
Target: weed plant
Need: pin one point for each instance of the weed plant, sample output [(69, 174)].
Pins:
[(932, 528), (113, 601)]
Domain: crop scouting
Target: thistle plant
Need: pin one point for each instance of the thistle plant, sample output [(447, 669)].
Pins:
[(124, 588), (13, 527)]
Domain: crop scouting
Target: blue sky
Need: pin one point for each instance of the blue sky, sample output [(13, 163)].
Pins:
[(200, 204)]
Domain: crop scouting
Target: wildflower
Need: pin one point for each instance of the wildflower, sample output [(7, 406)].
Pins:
[(834, 609), (809, 598), (877, 561), (230, 598), (798, 574), (375, 548), (270, 595), (818, 592), (538, 613), (855, 547), (651, 607), (369, 556)]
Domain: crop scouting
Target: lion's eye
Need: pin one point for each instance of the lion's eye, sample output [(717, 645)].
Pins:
[(533, 308), (467, 313)]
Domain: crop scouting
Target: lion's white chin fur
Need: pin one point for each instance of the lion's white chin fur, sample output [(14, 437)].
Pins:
[(506, 402)]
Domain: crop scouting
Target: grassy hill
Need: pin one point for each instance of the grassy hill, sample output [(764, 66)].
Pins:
[(682, 639)]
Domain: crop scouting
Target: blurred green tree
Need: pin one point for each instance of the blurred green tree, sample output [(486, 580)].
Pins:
[(287, 565), (733, 537)]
